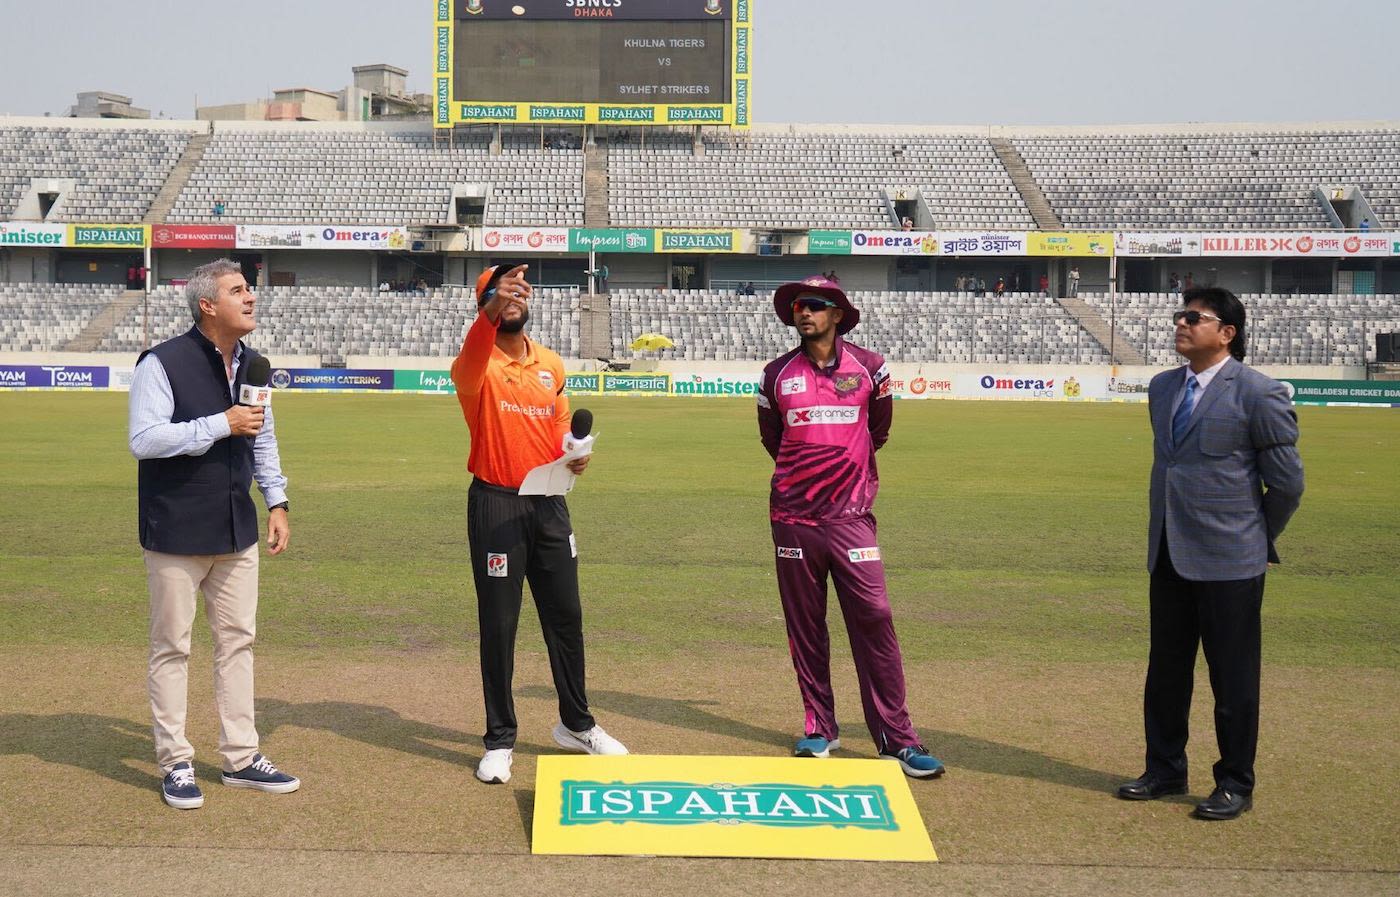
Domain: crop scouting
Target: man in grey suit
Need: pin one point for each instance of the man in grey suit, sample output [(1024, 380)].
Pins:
[(1226, 477)]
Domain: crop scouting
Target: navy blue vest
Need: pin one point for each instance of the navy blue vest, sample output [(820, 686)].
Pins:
[(198, 505)]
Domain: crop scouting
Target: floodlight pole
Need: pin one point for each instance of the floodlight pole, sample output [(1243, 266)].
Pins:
[(145, 303), (1112, 308)]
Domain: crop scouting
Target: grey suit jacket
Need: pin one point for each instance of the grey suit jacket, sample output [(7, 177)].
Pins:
[(1210, 491)]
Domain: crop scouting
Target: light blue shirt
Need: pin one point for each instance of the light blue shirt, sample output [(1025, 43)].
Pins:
[(1202, 381), (151, 433)]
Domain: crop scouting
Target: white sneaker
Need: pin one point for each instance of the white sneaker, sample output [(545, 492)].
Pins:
[(594, 741), (494, 768)]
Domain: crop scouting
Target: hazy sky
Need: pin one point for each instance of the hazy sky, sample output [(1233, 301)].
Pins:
[(885, 61)]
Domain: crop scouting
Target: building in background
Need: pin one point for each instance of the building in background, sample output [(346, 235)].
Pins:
[(379, 92), (102, 104)]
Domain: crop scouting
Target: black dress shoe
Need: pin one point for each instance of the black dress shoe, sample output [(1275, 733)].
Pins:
[(1150, 787), (1223, 804)]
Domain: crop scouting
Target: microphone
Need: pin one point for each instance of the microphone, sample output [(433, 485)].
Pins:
[(255, 390), (580, 425)]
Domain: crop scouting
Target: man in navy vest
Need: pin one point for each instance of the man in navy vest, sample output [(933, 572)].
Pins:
[(198, 453)]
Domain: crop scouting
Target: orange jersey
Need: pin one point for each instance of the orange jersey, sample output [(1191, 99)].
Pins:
[(516, 410)]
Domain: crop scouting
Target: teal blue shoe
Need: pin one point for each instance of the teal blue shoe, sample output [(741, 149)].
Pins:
[(916, 762), (816, 746)]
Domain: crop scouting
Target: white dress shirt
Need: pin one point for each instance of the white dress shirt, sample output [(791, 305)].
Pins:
[(151, 433)]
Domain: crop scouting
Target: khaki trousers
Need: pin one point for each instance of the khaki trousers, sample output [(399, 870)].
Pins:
[(230, 586)]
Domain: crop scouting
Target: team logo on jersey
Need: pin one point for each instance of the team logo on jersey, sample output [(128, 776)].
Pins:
[(496, 565), (857, 555), (837, 415), (793, 553), (792, 386), (547, 379), (845, 385)]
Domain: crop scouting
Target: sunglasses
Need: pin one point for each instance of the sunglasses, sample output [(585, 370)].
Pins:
[(812, 303), (1193, 317)]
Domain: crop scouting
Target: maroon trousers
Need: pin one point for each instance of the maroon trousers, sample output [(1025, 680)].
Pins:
[(850, 553)]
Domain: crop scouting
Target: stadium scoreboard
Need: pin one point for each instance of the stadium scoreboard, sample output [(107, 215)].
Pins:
[(575, 62)]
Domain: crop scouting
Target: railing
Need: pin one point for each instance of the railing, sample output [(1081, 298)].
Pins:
[(1006, 337), (927, 333), (759, 286)]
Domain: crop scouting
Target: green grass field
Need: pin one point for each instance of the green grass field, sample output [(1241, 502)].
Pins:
[(1014, 536)]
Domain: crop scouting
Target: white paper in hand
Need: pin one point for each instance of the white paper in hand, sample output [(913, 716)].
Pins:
[(555, 478)]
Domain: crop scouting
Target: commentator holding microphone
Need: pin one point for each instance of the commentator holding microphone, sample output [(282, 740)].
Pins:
[(512, 394), (200, 426)]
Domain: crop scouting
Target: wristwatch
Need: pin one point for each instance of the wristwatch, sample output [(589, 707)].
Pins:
[(281, 504)]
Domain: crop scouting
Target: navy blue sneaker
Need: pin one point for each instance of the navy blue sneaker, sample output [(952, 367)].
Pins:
[(179, 788), (916, 762), (261, 775), (816, 746)]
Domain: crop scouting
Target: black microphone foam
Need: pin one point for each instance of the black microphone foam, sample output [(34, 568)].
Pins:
[(581, 423), (259, 371)]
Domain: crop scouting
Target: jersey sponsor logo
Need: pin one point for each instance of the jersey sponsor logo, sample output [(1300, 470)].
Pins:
[(793, 553), (859, 555), (836, 415), (496, 565), (527, 410), (886, 387), (763, 401), (846, 384), (547, 379), (882, 373), (792, 386)]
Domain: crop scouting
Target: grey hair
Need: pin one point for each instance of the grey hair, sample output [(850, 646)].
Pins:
[(204, 282)]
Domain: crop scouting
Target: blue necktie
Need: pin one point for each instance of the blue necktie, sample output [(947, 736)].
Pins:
[(1183, 411)]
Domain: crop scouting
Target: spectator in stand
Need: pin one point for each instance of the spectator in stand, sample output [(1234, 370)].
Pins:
[(1073, 280), (1190, 281), (219, 208), (981, 287), (1015, 281), (1000, 289), (907, 223), (1044, 285), (1365, 225)]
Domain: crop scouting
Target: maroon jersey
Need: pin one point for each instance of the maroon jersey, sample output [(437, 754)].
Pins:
[(823, 427)]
